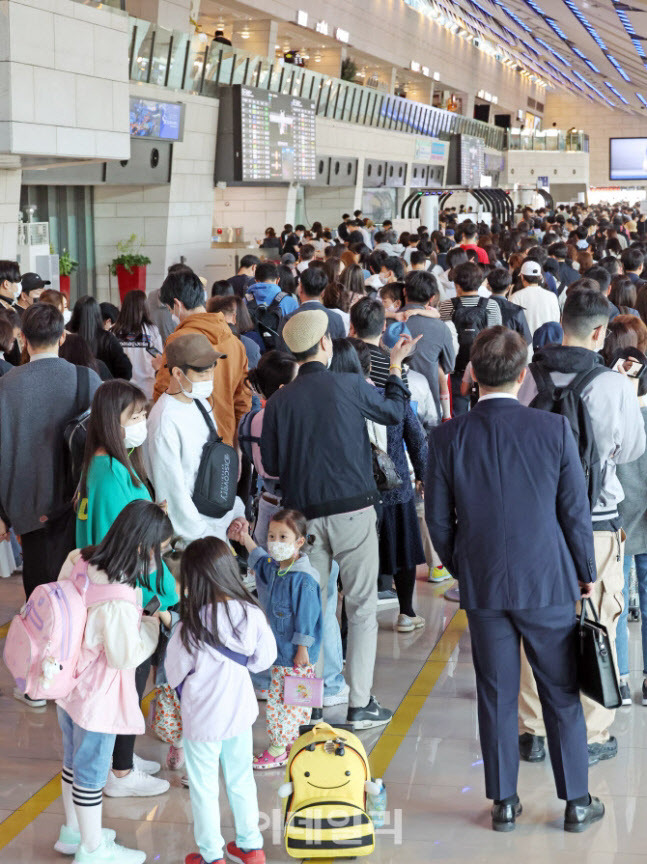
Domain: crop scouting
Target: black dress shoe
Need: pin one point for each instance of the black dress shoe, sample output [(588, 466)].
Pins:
[(317, 715), (532, 748), (504, 815), (578, 818), (600, 752)]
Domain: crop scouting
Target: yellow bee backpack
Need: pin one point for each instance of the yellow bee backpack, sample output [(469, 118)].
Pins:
[(327, 779)]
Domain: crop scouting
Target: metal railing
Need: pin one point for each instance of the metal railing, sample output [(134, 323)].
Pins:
[(181, 62), (551, 139)]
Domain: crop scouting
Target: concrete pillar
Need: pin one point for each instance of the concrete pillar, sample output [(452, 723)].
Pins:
[(9, 206), (468, 104), (258, 37), (170, 14)]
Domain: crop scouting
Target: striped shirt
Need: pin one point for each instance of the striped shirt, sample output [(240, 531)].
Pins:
[(380, 362), (446, 309)]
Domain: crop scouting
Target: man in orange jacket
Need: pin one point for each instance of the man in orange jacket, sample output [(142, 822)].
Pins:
[(183, 293)]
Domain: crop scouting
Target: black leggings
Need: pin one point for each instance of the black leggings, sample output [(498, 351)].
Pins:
[(405, 582), (122, 755)]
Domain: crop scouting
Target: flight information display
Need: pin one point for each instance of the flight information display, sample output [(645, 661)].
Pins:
[(277, 137), (471, 160)]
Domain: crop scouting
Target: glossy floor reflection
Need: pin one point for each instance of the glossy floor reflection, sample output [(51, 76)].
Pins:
[(434, 780)]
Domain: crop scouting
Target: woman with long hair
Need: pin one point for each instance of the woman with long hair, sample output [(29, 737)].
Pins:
[(140, 339), (76, 351), (88, 323), (353, 281), (623, 295), (112, 476)]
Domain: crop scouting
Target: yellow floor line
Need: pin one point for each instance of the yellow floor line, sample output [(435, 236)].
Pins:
[(4, 629), (380, 757), (416, 696), (40, 801)]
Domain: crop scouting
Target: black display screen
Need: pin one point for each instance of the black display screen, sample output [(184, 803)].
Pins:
[(277, 137), (471, 160)]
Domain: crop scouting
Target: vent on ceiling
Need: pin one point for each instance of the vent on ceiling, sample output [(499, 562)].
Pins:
[(532, 103)]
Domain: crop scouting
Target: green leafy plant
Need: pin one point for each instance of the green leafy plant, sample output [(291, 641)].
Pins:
[(348, 69), (66, 264), (129, 256)]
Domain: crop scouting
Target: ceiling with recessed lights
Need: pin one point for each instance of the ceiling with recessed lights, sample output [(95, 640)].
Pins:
[(597, 49)]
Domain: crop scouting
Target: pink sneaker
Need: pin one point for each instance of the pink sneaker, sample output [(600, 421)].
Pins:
[(175, 758), (266, 760)]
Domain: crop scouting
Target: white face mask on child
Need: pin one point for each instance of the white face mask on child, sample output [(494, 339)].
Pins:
[(280, 551)]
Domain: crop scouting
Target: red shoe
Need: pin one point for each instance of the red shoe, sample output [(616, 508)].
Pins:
[(254, 856), (196, 858)]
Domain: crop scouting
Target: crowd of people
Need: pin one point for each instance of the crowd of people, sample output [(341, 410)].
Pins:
[(383, 403)]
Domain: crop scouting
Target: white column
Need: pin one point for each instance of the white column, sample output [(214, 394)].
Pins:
[(9, 207)]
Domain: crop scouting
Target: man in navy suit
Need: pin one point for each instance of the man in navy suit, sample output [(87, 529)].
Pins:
[(507, 509)]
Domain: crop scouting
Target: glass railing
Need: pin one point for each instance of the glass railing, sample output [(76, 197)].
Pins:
[(550, 139), (176, 60)]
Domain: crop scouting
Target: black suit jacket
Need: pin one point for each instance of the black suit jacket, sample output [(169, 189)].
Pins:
[(507, 507)]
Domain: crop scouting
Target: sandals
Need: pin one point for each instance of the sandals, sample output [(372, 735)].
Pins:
[(266, 761)]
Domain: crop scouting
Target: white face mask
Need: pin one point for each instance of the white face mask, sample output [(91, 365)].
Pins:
[(175, 319), (280, 551), (199, 389), (67, 316), (17, 292), (135, 435)]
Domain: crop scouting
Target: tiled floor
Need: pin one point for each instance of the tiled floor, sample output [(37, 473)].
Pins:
[(434, 780)]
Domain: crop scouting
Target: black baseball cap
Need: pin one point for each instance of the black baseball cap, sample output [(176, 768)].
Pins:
[(32, 281)]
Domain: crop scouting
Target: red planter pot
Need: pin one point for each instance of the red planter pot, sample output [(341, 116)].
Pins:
[(130, 281), (64, 284)]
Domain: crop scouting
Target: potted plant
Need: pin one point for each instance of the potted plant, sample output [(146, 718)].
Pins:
[(130, 266), (66, 266)]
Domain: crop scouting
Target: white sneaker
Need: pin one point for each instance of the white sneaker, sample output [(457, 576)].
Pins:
[(337, 698), (23, 697), (135, 784), (69, 840), (405, 624), (146, 766), (110, 853)]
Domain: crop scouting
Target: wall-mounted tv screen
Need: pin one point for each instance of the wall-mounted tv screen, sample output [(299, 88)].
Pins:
[(628, 158), (277, 136), (150, 118)]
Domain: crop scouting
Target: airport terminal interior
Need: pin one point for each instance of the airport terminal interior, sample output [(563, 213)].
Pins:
[(203, 202)]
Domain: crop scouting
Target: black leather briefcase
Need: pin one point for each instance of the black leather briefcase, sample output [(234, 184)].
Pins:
[(597, 672)]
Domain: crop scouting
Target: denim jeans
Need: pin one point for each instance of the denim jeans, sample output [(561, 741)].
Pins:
[(622, 635), (87, 754), (331, 644)]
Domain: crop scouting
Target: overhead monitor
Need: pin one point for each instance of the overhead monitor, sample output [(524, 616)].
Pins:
[(628, 158), (277, 136), (150, 118), (466, 160)]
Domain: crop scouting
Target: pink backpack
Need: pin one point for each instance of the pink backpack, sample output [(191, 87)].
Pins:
[(44, 640)]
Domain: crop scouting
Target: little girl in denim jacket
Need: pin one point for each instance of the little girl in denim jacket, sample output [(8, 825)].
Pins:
[(288, 589)]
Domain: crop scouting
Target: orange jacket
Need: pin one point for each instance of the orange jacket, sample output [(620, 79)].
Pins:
[(231, 396)]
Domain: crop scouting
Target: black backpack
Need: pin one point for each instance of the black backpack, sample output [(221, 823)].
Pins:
[(267, 319), (76, 429), (245, 437), (568, 402), (469, 321), (214, 492)]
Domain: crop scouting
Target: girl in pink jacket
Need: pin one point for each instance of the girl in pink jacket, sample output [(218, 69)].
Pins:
[(104, 701), (223, 635)]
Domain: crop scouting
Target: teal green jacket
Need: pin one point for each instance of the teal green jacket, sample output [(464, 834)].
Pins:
[(109, 489)]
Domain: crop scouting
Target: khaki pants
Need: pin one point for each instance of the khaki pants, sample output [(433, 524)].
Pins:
[(431, 556), (351, 540), (608, 601)]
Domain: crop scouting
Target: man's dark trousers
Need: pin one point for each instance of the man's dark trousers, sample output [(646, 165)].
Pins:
[(44, 551), (549, 636)]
